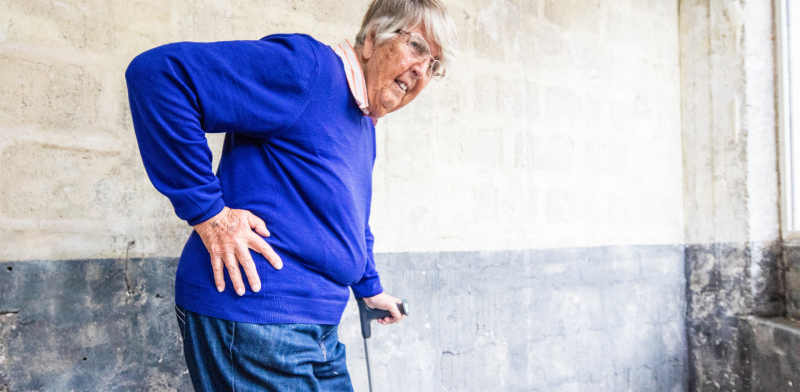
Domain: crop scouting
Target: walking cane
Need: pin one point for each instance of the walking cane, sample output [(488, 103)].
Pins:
[(367, 314)]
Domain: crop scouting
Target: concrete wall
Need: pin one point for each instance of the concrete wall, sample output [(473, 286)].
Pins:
[(530, 206), (734, 261), (775, 362)]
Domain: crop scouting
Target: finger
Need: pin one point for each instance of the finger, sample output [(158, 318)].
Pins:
[(249, 267), (219, 275), (257, 224), (258, 244), (396, 315), (233, 272)]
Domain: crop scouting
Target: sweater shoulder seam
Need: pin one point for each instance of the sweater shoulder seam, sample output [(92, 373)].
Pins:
[(299, 109)]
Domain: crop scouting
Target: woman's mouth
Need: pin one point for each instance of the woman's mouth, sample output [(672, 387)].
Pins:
[(402, 85)]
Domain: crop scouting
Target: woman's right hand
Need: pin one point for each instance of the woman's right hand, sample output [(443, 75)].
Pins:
[(228, 236)]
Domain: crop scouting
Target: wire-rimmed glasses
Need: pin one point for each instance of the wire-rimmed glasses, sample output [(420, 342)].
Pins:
[(421, 50)]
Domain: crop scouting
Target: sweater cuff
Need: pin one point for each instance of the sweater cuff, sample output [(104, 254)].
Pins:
[(367, 287), (215, 209)]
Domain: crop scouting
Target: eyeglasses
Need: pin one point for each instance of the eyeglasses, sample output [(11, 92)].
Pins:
[(421, 50)]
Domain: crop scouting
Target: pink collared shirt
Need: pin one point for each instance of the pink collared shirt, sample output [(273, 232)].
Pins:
[(355, 76)]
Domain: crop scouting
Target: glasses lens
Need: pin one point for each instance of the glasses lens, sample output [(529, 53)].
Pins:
[(437, 70), (419, 47)]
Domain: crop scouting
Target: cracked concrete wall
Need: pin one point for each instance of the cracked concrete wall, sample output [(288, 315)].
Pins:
[(530, 206), (733, 254)]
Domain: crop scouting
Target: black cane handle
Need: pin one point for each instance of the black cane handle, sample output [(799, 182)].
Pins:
[(367, 314)]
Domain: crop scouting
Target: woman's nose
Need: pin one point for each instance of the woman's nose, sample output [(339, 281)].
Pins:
[(420, 69)]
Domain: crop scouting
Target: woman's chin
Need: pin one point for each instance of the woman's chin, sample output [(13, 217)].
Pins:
[(383, 108), (380, 110), (377, 112)]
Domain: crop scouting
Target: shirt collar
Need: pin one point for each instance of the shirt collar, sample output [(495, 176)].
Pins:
[(355, 76)]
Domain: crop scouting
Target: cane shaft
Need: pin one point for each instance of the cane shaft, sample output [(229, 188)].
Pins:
[(369, 370)]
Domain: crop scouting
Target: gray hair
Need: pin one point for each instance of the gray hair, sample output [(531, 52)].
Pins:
[(385, 17)]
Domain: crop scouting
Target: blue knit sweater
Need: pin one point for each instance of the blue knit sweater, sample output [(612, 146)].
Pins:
[(298, 154)]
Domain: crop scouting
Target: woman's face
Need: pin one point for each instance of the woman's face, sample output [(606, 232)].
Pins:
[(393, 74)]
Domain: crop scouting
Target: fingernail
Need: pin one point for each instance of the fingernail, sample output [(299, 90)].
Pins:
[(219, 288), (257, 288), (267, 233), (240, 292), (279, 265)]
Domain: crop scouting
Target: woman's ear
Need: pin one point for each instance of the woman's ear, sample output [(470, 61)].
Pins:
[(369, 46)]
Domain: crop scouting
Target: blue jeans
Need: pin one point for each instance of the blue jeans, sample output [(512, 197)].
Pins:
[(227, 355)]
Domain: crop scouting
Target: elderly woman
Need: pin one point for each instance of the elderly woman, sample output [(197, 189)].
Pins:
[(289, 206)]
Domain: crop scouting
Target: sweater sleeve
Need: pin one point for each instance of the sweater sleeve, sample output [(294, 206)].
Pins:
[(370, 283), (178, 92)]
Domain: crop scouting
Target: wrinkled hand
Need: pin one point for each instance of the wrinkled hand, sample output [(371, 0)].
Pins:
[(385, 301), (227, 237)]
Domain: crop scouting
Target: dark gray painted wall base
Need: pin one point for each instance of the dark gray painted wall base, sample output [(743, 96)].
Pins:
[(583, 319), (90, 325), (791, 258), (774, 354), (727, 284)]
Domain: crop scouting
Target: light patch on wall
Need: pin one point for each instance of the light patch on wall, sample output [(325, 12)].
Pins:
[(5, 19), (735, 118), (736, 17)]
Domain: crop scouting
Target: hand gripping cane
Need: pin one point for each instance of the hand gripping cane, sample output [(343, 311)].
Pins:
[(367, 314)]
